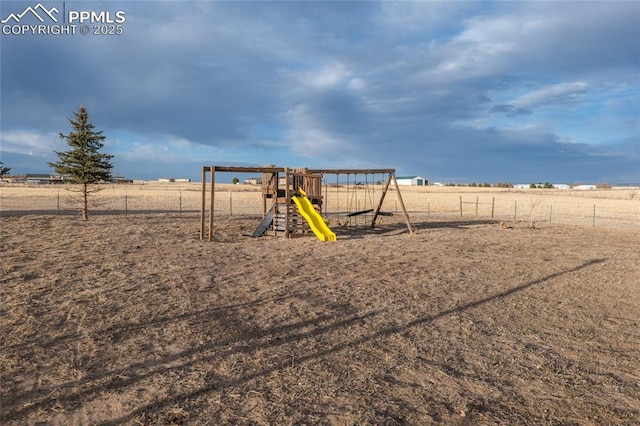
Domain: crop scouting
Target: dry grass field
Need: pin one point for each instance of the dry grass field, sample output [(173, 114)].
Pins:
[(617, 208), (133, 320)]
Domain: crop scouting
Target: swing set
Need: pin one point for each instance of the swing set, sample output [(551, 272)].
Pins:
[(354, 207), (282, 216)]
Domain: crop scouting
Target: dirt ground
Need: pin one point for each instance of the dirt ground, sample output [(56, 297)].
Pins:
[(136, 321)]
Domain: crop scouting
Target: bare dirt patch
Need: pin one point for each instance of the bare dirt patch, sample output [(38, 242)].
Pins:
[(136, 321)]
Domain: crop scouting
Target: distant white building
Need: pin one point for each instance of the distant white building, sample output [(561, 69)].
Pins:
[(411, 180), (38, 178), (253, 181), (560, 186), (584, 187)]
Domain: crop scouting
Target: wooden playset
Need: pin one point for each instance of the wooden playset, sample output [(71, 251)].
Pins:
[(292, 200)]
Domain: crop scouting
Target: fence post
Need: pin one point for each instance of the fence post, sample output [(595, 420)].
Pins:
[(461, 206), (493, 205), (126, 203), (477, 199), (180, 194), (58, 208), (550, 212), (428, 208), (515, 211), (230, 203), (594, 215)]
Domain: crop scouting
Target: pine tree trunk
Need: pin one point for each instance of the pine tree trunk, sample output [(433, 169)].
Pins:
[(85, 209)]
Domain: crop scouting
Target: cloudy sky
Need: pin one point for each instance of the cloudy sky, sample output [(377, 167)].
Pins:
[(454, 91)]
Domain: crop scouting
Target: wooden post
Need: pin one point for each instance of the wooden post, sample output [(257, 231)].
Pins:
[(515, 211), (212, 204), (204, 196), (274, 201), (264, 203), (550, 212), (461, 206), (287, 196), (493, 205), (477, 200), (594, 215), (230, 203), (324, 205), (404, 210)]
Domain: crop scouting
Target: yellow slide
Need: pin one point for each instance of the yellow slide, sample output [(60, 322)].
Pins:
[(315, 221)]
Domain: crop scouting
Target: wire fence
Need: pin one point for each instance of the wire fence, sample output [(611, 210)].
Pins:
[(595, 209), (556, 210)]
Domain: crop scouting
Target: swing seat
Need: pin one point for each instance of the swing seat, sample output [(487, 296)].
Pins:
[(360, 212)]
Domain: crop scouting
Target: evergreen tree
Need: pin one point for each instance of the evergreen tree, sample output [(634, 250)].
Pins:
[(4, 170), (83, 163)]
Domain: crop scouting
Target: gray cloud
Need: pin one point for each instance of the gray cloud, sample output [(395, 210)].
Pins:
[(438, 89), (510, 110)]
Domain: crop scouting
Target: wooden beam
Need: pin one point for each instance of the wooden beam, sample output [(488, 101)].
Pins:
[(234, 169), (287, 195), (204, 201), (404, 210), (212, 205), (350, 171)]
